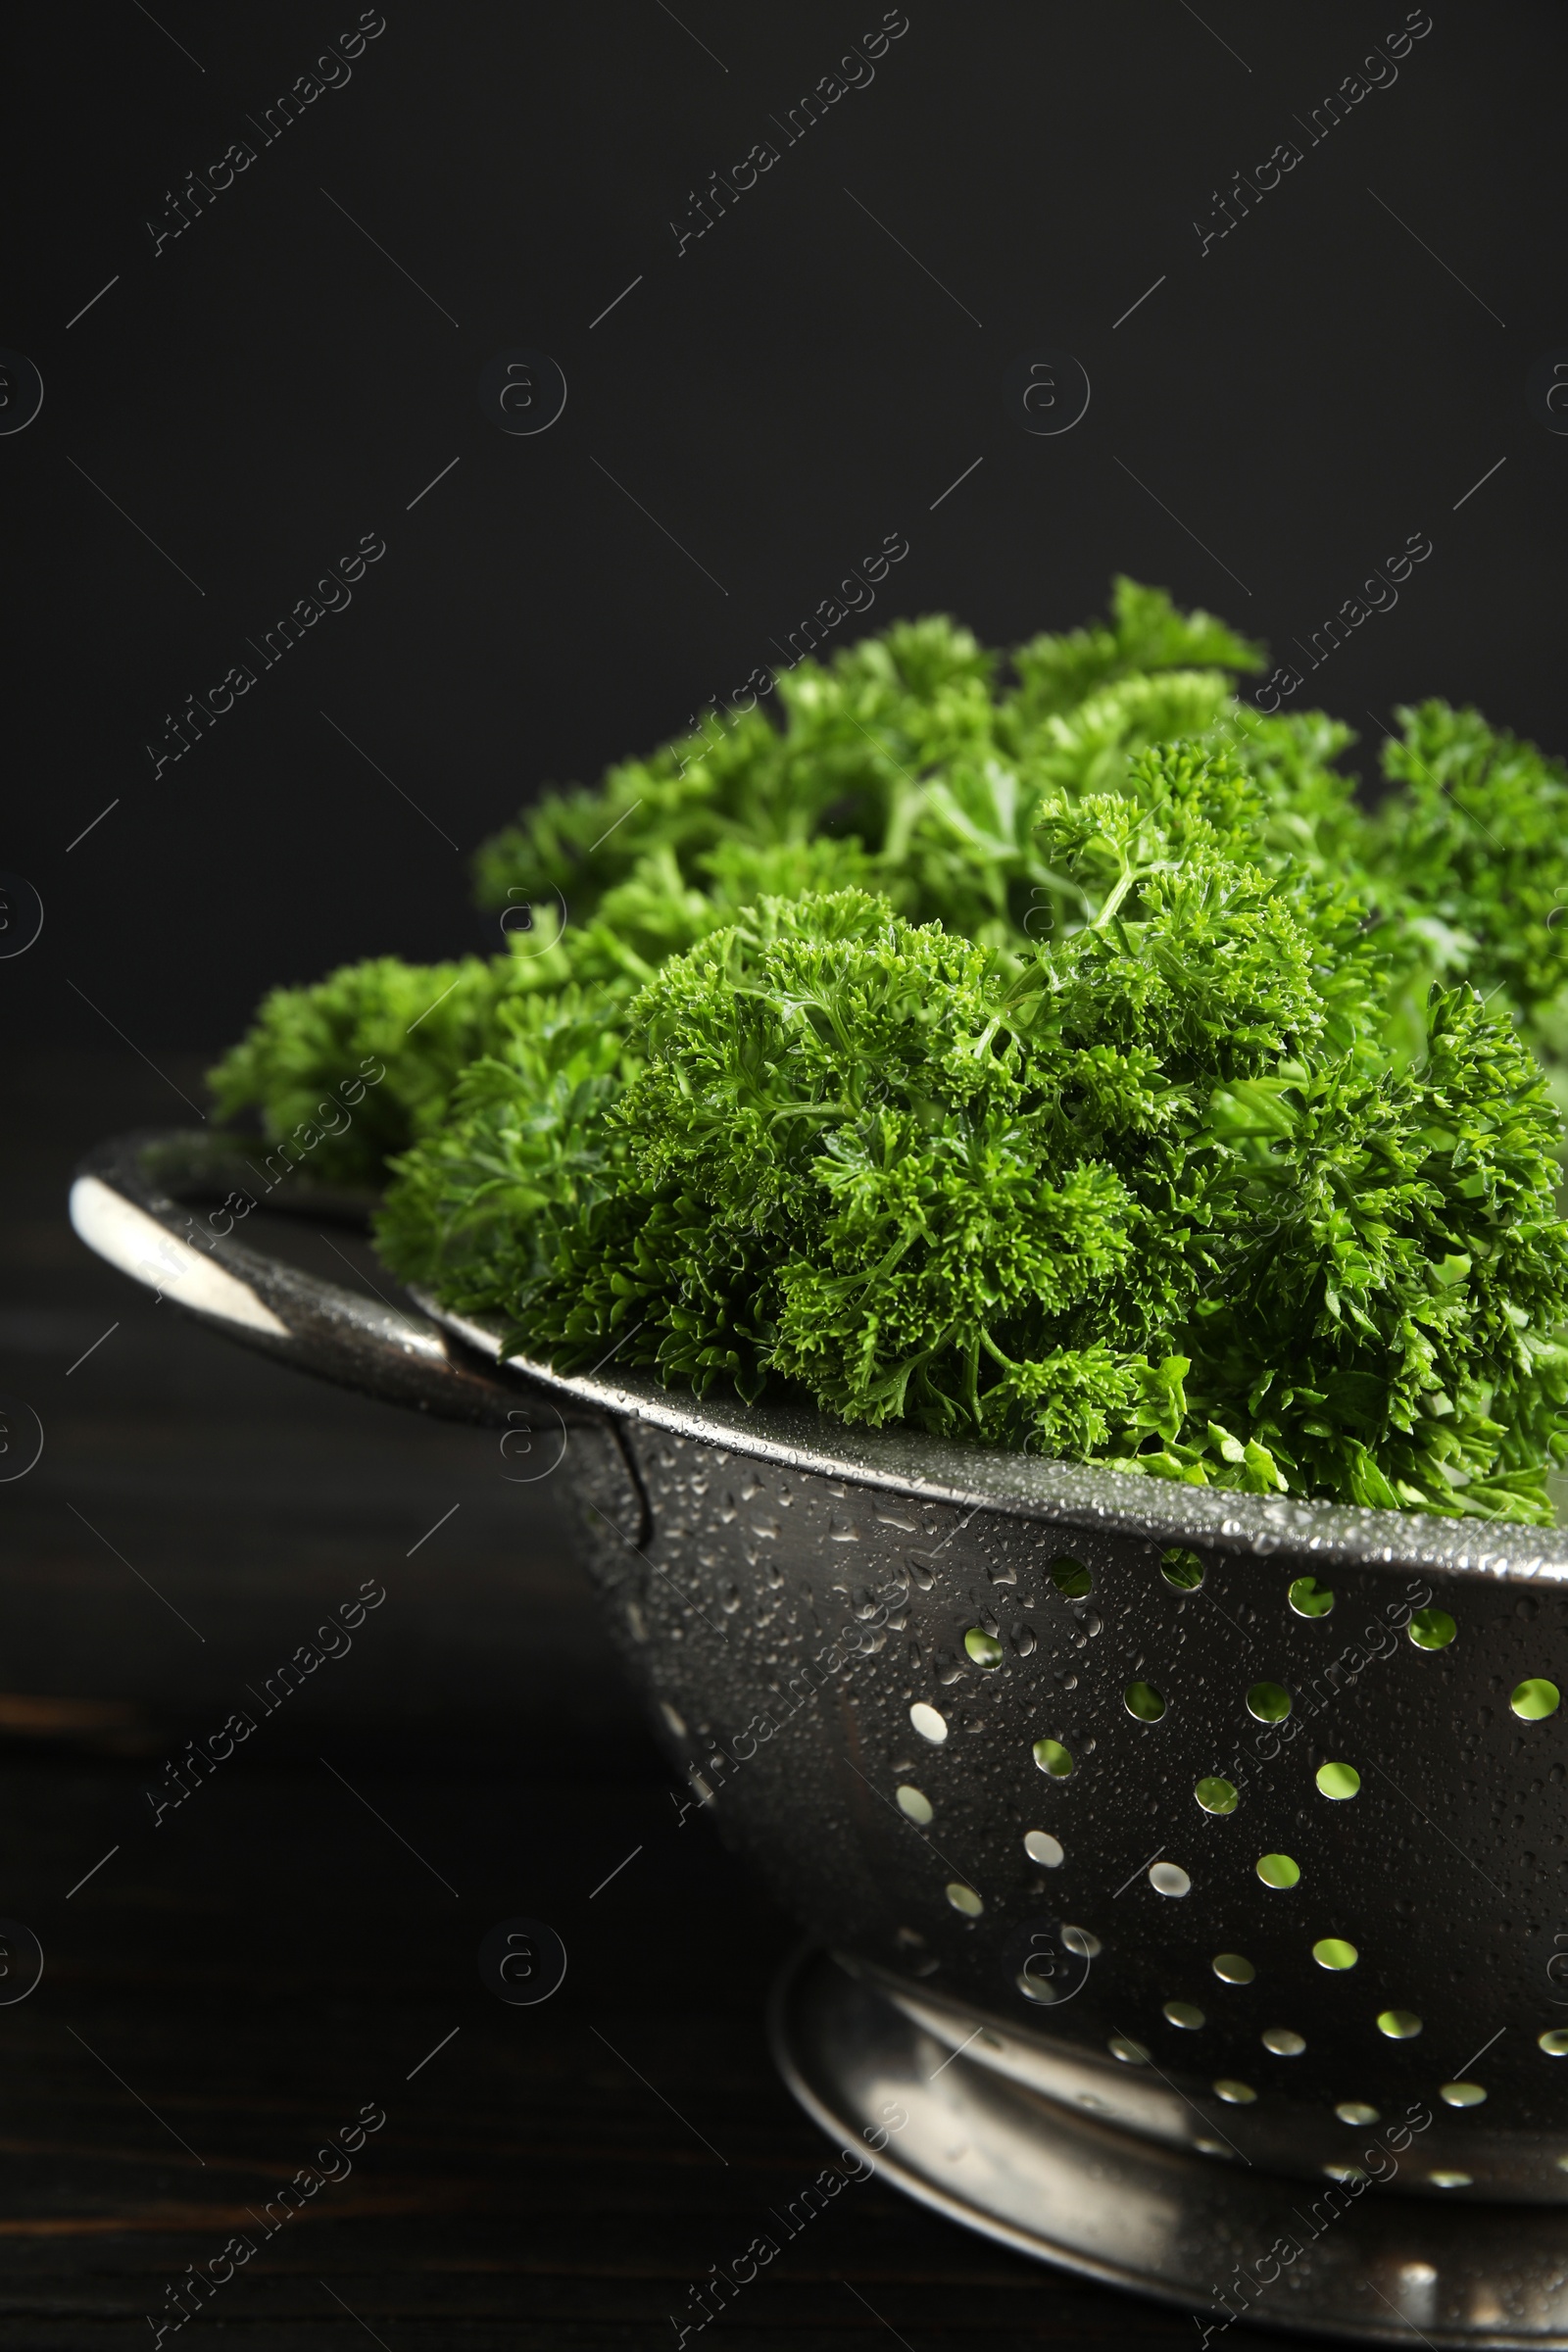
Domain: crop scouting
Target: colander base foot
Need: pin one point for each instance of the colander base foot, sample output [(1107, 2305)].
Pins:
[(1213, 2237)]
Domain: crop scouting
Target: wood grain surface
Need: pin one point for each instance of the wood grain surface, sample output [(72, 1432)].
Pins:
[(233, 1985)]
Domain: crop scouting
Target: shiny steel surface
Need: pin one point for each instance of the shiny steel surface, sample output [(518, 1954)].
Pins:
[(1227, 2243)]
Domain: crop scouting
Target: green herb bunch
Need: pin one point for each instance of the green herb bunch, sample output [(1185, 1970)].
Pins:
[(914, 767), (1056, 1055), (1155, 1196)]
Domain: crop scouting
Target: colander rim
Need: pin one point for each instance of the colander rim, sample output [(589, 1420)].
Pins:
[(899, 1461)]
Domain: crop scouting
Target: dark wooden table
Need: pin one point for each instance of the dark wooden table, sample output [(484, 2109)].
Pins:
[(230, 1986)]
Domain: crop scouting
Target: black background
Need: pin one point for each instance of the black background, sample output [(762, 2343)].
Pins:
[(781, 395)]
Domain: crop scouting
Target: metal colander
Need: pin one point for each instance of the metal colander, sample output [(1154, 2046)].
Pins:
[(1233, 1824)]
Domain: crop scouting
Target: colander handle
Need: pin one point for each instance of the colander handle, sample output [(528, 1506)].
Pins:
[(169, 1208)]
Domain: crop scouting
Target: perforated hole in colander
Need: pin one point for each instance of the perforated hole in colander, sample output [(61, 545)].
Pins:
[(1534, 1701), (1182, 1568)]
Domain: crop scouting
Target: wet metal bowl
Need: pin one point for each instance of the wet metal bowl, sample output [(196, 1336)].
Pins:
[(1190, 1867)]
